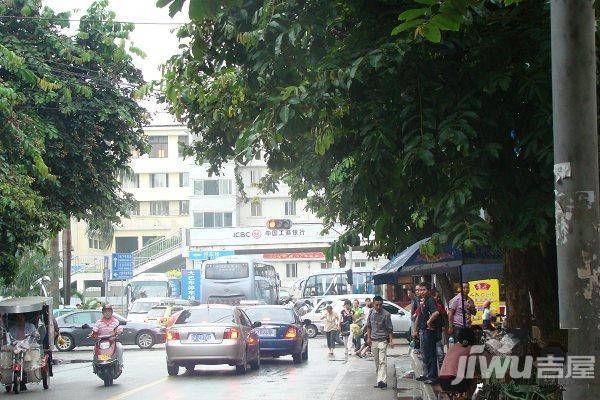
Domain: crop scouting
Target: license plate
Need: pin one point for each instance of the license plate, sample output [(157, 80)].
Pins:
[(103, 357), (202, 337), (263, 332)]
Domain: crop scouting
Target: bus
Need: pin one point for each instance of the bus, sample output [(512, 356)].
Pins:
[(334, 282), (234, 279), (152, 285)]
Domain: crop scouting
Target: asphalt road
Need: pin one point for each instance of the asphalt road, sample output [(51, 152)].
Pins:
[(145, 377)]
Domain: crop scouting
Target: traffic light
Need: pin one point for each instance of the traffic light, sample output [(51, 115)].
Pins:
[(279, 224)]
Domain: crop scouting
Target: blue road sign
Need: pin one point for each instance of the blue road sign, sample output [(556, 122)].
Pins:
[(190, 284), (202, 255), (122, 266)]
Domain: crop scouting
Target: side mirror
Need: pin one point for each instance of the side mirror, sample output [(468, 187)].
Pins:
[(122, 323), (85, 326), (256, 324)]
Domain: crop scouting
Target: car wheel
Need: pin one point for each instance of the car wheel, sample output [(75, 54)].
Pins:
[(255, 365), (68, 343), (311, 330), (242, 368), (173, 370), (144, 340), (297, 357), (305, 354)]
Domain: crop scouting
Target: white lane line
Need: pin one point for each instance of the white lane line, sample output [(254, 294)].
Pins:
[(137, 389)]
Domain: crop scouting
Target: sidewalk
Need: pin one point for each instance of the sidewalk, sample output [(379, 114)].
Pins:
[(359, 377)]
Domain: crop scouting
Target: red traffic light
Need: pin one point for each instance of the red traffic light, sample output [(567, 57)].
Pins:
[(279, 224)]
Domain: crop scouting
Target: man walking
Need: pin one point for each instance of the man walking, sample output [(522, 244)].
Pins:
[(427, 314), (380, 335), (460, 310)]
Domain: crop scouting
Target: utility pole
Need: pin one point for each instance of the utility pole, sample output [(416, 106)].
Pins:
[(576, 183), (55, 260), (67, 264)]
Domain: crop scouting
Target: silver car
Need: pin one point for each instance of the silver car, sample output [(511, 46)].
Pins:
[(212, 334)]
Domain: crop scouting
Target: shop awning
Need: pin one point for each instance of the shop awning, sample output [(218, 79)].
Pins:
[(480, 265)]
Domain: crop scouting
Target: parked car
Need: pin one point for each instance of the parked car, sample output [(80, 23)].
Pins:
[(212, 334), (138, 310), (142, 334), (284, 296), (400, 317), (63, 310), (160, 314), (281, 332)]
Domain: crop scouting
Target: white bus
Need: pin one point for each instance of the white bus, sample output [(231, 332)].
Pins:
[(152, 285), (232, 279)]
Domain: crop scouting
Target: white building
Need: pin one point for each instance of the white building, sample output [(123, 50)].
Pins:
[(183, 211)]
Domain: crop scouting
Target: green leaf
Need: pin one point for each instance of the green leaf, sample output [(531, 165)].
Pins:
[(284, 114), (162, 3), (432, 33), (427, 157), (26, 11), (407, 25), (201, 9), (428, 2), (412, 14), (175, 7), (444, 23)]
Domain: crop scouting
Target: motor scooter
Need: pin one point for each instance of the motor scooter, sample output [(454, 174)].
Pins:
[(105, 364)]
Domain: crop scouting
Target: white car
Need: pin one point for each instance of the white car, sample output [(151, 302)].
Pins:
[(400, 317)]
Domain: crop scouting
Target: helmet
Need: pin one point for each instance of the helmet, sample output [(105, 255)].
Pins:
[(107, 307)]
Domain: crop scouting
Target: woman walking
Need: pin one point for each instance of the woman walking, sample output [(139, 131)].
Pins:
[(346, 318), (331, 326)]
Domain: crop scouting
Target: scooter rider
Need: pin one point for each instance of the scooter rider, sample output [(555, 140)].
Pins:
[(106, 326)]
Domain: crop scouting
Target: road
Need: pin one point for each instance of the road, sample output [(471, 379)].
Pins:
[(145, 377)]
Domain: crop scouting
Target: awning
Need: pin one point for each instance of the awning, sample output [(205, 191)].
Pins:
[(482, 264)]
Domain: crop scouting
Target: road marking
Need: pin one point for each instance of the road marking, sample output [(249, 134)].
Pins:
[(336, 382), (138, 389)]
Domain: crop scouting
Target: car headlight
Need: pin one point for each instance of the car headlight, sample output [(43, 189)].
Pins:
[(104, 345)]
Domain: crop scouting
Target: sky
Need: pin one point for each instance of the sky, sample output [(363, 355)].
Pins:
[(156, 40)]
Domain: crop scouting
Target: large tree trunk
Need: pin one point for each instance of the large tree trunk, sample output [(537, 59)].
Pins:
[(533, 272), (55, 278)]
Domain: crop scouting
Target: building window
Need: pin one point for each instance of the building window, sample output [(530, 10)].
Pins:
[(290, 207), (257, 155), (182, 141), (126, 244), (159, 180), (291, 270), (146, 240), (159, 208), (256, 208), (184, 179), (95, 243), (159, 146), (255, 176), (184, 207), (326, 265), (213, 220), (360, 264), (212, 187), (130, 181)]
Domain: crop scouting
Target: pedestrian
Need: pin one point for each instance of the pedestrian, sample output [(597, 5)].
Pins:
[(380, 336), (356, 326), (427, 314), (460, 310), (346, 318), (366, 347), (487, 316), (331, 326), (441, 324)]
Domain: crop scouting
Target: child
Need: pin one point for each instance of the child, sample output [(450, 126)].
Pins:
[(487, 316)]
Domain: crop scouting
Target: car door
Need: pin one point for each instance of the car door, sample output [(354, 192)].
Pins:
[(75, 321), (130, 330), (400, 323), (247, 331)]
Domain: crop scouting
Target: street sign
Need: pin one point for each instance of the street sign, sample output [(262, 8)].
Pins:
[(122, 266), (190, 284), (201, 255)]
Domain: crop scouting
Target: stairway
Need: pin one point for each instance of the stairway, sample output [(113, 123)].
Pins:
[(157, 253)]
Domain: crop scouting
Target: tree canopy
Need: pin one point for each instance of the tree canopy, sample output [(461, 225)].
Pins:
[(69, 121)]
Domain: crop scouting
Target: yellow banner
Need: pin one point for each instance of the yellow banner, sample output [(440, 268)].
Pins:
[(480, 291)]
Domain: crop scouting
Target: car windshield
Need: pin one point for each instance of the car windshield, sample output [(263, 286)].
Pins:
[(141, 307), (206, 316), (226, 271), (157, 312), (270, 314)]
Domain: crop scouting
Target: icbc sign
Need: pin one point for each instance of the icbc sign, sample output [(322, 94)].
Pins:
[(256, 234)]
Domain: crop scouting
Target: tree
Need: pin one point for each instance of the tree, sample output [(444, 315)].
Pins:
[(386, 134), (35, 270), (68, 122), (87, 303)]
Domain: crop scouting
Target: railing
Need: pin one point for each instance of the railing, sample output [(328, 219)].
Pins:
[(87, 265), (156, 249)]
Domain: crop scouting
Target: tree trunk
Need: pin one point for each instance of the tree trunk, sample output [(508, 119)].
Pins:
[(55, 278), (533, 272), (67, 264)]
